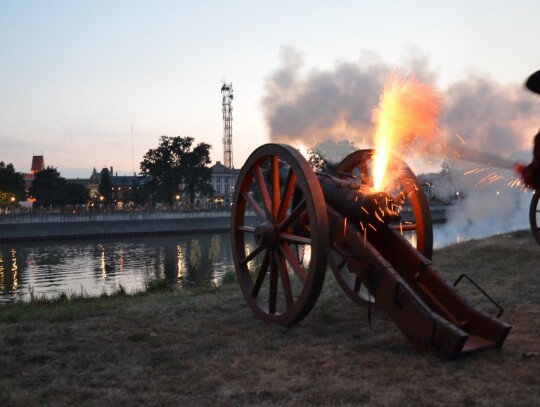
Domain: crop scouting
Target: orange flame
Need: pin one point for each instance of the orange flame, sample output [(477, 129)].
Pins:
[(408, 110)]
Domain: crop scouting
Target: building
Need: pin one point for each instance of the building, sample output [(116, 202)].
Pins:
[(38, 164), (122, 187), (223, 182)]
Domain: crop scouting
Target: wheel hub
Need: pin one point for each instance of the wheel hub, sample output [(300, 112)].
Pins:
[(266, 234)]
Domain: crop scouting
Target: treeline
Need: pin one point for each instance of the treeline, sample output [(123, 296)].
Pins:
[(48, 188), (176, 168)]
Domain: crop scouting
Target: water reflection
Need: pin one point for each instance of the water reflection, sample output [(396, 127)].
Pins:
[(9, 270), (96, 266)]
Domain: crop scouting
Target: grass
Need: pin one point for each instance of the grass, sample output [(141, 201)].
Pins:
[(205, 347)]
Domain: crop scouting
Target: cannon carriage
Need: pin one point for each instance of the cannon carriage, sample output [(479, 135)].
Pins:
[(289, 223)]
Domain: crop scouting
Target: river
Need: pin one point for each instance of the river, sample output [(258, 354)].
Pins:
[(97, 266)]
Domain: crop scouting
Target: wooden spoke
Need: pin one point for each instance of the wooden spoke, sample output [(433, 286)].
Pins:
[(287, 194), (260, 212), (276, 194), (249, 229), (261, 275), (294, 215), (272, 293), (297, 268), (285, 281), (252, 255), (264, 190), (294, 238)]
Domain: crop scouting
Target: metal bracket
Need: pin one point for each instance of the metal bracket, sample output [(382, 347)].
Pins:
[(501, 310)]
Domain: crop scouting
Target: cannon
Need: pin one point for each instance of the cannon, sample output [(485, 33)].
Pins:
[(288, 224)]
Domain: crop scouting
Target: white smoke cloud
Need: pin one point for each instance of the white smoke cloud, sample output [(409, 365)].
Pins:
[(490, 117), (308, 107), (487, 209)]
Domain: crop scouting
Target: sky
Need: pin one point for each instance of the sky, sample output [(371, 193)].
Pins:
[(77, 76)]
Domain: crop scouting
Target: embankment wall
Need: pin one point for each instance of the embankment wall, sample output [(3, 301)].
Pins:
[(65, 227)]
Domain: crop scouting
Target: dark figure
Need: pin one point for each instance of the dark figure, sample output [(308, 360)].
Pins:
[(533, 83), (531, 172)]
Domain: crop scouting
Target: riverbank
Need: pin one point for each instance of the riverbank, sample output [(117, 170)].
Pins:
[(205, 347), (38, 227)]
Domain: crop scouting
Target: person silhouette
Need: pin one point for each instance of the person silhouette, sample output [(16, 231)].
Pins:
[(531, 173), (533, 83)]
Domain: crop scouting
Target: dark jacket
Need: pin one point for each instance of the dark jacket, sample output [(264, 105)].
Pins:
[(531, 172)]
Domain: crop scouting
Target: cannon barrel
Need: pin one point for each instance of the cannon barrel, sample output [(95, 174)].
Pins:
[(357, 202), (354, 200)]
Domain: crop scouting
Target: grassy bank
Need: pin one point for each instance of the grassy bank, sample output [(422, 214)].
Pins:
[(207, 348)]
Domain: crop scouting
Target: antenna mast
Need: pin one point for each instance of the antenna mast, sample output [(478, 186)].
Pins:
[(132, 153), (227, 93)]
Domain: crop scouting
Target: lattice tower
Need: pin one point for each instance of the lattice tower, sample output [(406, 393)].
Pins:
[(227, 93)]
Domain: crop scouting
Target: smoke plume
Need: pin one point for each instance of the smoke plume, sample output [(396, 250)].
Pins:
[(484, 125)]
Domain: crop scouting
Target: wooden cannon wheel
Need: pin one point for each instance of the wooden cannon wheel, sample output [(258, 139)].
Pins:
[(406, 186), (279, 234), (534, 216)]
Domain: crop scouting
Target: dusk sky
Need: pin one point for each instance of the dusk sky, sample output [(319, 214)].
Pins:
[(76, 75)]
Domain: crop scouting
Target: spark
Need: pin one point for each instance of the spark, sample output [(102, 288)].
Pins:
[(365, 236), (365, 210), (514, 183), (345, 227), (372, 227), (460, 139), (378, 217), (474, 171), (490, 178)]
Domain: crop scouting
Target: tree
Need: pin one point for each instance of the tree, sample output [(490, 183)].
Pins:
[(11, 184), (326, 155), (140, 194), (48, 187), (74, 194), (105, 186), (173, 163)]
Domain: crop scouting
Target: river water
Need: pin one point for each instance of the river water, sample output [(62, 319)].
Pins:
[(97, 266), (93, 267)]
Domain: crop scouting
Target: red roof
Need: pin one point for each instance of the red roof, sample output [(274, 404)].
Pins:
[(38, 163)]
